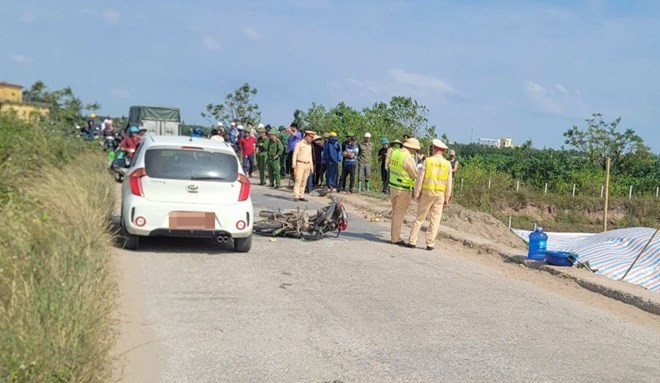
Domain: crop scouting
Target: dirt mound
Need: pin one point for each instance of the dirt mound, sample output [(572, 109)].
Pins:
[(454, 216), (481, 224)]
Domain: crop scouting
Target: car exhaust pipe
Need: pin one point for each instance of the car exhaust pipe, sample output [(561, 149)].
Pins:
[(222, 238)]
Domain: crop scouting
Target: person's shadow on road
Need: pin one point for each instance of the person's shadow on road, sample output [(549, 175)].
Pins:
[(365, 236)]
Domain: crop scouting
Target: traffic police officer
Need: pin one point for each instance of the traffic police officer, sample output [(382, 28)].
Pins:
[(433, 190), (403, 172), (302, 164)]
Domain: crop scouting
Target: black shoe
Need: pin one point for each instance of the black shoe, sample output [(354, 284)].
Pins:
[(400, 243), (429, 248), (410, 245), (296, 199), (303, 199)]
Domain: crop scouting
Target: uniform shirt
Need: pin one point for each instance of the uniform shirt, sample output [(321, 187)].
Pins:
[(262, 145), (275, 148), (432, 193), (302, 154), (409, 165), (366, 148)]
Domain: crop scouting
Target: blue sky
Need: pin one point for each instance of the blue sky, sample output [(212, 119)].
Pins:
[(519, 69)]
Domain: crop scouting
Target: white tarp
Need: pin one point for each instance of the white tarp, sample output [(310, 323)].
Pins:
[(613, 252)]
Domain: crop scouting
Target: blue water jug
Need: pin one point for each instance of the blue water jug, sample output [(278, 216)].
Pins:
[(538, 244)]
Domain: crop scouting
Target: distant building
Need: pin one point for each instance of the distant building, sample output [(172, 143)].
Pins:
[(11, 99), (497, 142)]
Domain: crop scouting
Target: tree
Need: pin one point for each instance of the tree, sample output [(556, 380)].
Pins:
[(238, 106), (63, 104), (299, 119), (601, 139), (93, 107)]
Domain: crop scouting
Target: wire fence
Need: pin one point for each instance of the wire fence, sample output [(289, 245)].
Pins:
[(572, 190)]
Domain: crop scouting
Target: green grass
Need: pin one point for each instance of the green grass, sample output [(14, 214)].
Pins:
[(56, 291)]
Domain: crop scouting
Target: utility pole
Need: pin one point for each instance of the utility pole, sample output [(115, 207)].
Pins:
[(607, 192), (471, 134)]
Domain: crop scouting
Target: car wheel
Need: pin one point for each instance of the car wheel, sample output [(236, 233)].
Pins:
[(131, 242), (243, 245)]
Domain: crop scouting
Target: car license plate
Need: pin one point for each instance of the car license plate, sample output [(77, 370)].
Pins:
[(182, 220)]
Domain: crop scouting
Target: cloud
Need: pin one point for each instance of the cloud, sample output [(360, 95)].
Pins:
[(211, 43), (19, 58), (367, 85), (420, 81), (120, 93), (252, 34), (110, 15), (27, 18), (557, 100)]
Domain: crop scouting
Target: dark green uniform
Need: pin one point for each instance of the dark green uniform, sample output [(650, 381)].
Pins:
[(262, 158), (275, 151), (284, 139)]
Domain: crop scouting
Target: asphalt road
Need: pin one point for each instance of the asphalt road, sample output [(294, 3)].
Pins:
[(356, 309)]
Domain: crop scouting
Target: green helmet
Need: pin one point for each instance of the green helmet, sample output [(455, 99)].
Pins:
[(272, 131)]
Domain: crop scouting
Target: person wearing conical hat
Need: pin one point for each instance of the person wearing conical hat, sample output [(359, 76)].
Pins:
[(433, 189), (403, 172)]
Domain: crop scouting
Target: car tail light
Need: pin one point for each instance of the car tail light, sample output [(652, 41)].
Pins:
[(245, 187), (135, 180)]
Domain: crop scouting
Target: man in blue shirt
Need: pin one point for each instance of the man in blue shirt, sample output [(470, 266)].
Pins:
[(294, 137), (350, 154), (331, 156)]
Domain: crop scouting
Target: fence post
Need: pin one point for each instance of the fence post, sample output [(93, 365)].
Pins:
[(545, 190), (574, 190), (517, 186), (509, 222), (630, 192), (489, 183), (607, 192), (657, 191), (461, 185), (602, 189)]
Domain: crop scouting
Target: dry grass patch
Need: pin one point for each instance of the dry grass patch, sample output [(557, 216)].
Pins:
[(56, 290)]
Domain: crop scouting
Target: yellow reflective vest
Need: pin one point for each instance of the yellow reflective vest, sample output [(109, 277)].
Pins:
[(399, 178), (438, 170)]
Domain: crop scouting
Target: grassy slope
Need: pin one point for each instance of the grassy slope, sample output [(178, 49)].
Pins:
[(56, 292)]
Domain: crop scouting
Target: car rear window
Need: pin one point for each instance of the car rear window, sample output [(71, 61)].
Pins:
[(187, 164)]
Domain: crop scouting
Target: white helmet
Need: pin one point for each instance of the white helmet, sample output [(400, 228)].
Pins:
[(240, 127), (220, 124), (260, 126), (367, 135)]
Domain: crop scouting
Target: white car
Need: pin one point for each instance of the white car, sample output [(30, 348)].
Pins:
[(181, 186)]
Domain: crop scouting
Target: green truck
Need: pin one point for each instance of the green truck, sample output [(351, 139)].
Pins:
[(157, 120)]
